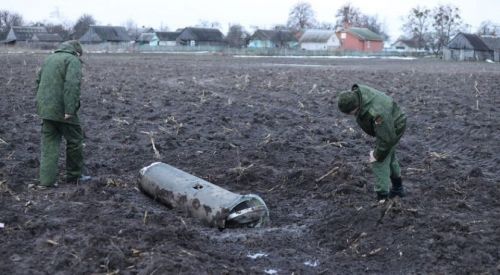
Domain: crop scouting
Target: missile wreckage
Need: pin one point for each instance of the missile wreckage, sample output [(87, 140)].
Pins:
[(212, 204)]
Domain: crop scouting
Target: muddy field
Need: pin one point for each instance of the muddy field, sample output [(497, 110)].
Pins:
[(267, 126)]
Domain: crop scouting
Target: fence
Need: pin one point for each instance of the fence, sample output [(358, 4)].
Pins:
[(135, 48), (265, 51)]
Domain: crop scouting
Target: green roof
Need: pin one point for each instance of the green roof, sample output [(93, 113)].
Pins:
[(365, 34)]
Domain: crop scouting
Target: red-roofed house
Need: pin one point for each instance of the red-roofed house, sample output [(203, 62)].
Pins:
[(360, 40)]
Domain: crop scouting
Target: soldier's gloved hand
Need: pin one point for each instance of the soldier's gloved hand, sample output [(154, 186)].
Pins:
[(67, 116), (372, 157)]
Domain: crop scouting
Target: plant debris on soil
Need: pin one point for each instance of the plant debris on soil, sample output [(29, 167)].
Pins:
[(268, 126)]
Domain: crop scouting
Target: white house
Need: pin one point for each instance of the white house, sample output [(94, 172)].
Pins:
[(319, 40), (150, 39)]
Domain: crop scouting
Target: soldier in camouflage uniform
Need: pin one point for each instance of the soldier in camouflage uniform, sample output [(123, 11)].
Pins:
[(58, 101), (379, 116)]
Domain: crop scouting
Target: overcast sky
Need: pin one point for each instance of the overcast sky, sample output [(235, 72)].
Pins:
[(262, 13)]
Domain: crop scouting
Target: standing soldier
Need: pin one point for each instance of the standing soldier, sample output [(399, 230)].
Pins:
[(379, 116), (58, 101)]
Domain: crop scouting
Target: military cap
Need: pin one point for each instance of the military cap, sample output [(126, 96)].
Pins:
[(76, 45), (348, 101)]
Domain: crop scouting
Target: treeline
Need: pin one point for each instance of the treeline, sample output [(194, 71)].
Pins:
[(431, 28)]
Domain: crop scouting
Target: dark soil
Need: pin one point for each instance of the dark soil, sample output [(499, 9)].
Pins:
[(278, 118)]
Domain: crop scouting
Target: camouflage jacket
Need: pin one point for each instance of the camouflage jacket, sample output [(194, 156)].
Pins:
[(380, 116), (58, 85)]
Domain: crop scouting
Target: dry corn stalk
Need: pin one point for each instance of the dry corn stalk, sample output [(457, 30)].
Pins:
[(177, 125), (327, 174), (439, 155), (477, 95), (314, 87), (150, 134), (121, 121)]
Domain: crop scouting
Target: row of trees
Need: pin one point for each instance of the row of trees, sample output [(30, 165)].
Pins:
[(302, 16), (431, 28), (434, 28)]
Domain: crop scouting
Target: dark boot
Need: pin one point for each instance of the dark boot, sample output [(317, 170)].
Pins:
[(397, 188), (381, 195)]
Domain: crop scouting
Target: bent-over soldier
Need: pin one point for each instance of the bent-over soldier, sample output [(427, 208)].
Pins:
[(379, 116)]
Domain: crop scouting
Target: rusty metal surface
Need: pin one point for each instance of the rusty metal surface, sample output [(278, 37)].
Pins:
[(212, 204)]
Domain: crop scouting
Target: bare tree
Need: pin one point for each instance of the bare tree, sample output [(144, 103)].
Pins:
[(325, 26), (447, 22), (63, 32), (237, 36), (132, 28), (372, 23), (82, 25), (417, 24), (7, 20), (301, 17), (348, 15), (488, 28)]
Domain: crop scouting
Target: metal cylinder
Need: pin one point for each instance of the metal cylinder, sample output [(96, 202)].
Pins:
[(212, 204)]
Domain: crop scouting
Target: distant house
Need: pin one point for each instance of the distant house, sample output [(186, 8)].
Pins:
[(105, 34), (134, 33), (167, 38), (25, 34), (467, 47), (150, 39), (360, 40), (200, 37), (408, 45), (37, 36), (47, 37), (493, 42), (319, 40), (273, 39)]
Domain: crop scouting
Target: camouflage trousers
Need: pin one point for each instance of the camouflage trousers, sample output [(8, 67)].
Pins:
[(386, 169), (52, 133)]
